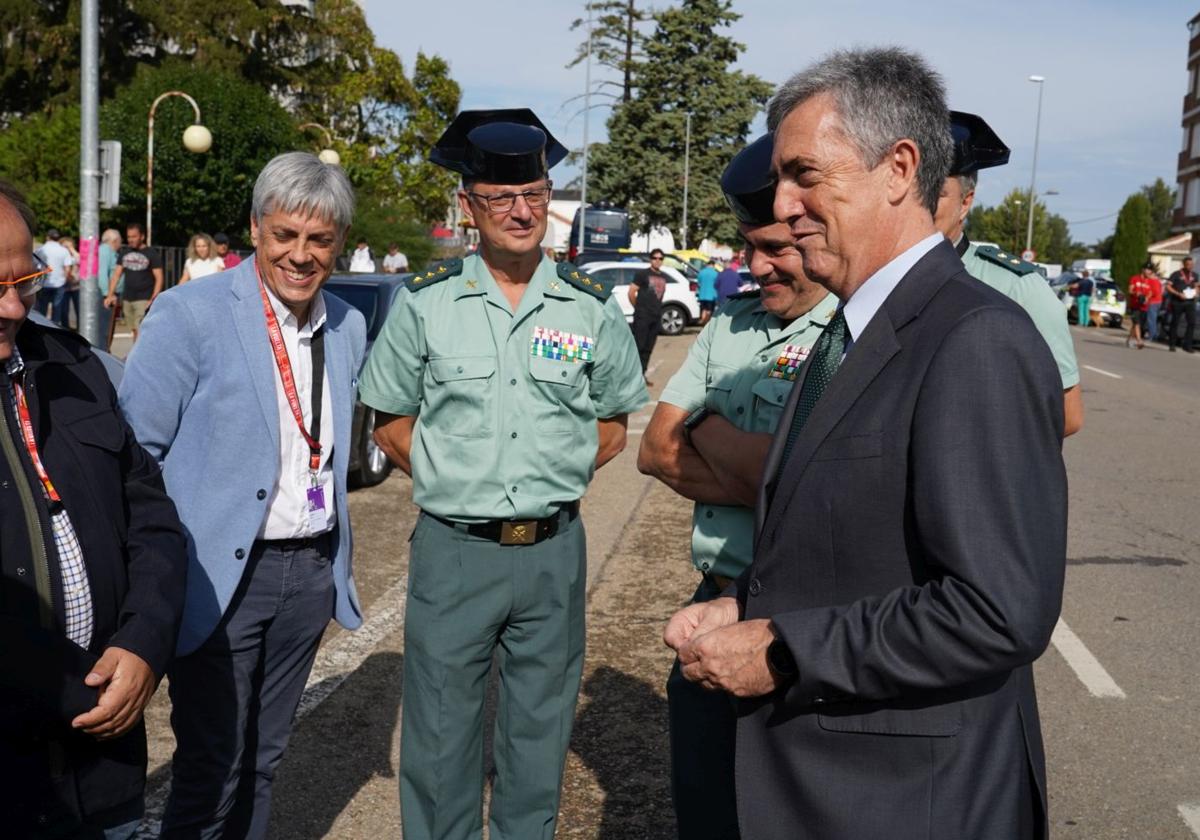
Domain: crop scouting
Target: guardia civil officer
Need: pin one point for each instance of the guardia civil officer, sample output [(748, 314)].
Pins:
[(976, 146), (502, 382), (708, 440)]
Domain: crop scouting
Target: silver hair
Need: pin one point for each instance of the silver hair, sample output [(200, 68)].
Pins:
[(298, 182), (968, 181), (882, 95), (112, 236)]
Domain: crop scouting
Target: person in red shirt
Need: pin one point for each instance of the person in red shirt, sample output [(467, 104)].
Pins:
[(222, 241), (1141, 290), (1153, 307)]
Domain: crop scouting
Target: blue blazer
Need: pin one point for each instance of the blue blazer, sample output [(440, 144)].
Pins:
[(199, 392)]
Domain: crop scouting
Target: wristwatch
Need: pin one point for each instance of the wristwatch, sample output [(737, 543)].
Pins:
[(781, 662), (693, 420)]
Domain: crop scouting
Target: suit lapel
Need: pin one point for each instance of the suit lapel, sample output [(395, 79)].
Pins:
[(252, 332), (335, 369)]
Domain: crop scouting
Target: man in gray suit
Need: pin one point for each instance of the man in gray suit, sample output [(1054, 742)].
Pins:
[(911, 527)]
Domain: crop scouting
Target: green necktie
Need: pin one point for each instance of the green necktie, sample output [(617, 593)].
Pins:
[(826, 358)]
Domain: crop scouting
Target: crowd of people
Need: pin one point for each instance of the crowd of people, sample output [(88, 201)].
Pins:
[(1159, 309), (879, 532)]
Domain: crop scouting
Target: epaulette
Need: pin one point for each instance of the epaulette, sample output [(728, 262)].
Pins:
[(582, 280), (1014, 264), (746, 295), (434, 275)]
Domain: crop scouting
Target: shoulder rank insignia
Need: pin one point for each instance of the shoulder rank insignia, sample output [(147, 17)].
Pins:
[(746, 295), (1016, 265), (435, 274), (582, 280)]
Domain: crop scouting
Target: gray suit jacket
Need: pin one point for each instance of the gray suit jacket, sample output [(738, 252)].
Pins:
[(911, 553)]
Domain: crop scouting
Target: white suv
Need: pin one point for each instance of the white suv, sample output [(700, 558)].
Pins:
[(680, 307)]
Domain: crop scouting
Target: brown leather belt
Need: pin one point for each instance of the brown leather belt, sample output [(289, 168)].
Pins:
[(517, 531)]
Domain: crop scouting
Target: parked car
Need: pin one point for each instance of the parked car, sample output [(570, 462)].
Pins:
[(680, 305), (372, 295), (607, 230), (1107, 308)]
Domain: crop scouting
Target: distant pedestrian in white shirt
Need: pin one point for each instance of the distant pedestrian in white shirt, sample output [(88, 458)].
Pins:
[(361, 260), (52, 297), (202, 259), (395, 261)]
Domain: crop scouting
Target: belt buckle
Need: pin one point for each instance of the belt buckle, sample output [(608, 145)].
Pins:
[(518, 533)]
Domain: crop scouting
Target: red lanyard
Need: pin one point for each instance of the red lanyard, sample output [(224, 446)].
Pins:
[(289, 382), (30, 443)]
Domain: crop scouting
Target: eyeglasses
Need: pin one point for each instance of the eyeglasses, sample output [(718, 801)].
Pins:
[(30, 284), (504, 202)]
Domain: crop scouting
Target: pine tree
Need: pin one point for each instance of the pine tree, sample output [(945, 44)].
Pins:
[(1131, 239), (1162, 208), (687, 69), (616, 40)]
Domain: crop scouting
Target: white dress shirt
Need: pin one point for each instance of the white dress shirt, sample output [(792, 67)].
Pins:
[(867, 299), (287, 509)]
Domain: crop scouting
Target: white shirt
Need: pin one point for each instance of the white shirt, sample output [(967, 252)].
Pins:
[(395, 262), (287, 508), (58, 259), (361, 260), (202, 268), (868, 297)]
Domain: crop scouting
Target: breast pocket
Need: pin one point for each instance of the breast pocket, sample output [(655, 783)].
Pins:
[(460, 395), (97, 444), (770, 395), (562, 388)]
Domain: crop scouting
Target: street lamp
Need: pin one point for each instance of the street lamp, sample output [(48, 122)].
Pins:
[(687, 160), (1037, 130), (326, 155), (196, 138)]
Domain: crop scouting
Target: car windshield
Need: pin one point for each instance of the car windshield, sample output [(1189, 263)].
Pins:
[(599, 220), (362, 297)]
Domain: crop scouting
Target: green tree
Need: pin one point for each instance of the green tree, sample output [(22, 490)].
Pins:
[(616, 40), (1162, 208), (40, 155), (206, 192), (1131, 238), (1006, 224), (687, 69), (381, 225)]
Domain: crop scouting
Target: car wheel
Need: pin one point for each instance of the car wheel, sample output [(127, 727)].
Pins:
[(674, 319), (373, 463)]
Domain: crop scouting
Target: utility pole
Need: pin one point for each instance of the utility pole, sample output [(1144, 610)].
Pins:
[(587, 110), (90, 300), (687, 162), (1037, 131)]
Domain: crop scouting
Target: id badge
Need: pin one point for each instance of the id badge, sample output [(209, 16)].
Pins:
[(318, 520)]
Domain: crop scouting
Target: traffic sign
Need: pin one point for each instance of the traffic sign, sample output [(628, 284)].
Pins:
[(1029, 255)]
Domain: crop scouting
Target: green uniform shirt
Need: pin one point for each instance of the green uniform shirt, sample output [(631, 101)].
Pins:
[(506, 403), (742, 366), (1016, 279)]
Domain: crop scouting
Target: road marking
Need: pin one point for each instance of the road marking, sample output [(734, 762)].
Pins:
[(1103, 372), (1191, 816), (334, 663), (1089, 670)]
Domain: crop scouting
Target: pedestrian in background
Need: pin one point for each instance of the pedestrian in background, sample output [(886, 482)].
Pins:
[(1138, 304), (92, 566), (51, 300), (360, 260), (202, 258), (1082, 289), (138, 279), (231, 259), (71, 295), (501, 383), (1181, 289), (1153, 305), (706, 291), (729, 283), (395, 261), (106, 262), (243, 387), (646, 294)]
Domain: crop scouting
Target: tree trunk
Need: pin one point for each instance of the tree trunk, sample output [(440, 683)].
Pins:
[(625, 95)]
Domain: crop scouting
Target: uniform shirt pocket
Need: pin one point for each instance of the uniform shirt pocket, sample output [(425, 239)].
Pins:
[(460, 395), (770, 395), (563, 395)]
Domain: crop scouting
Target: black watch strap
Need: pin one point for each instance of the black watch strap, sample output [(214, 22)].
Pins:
[(693, 420)]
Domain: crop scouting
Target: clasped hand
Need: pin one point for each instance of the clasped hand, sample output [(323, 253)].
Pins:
[(126, 685), (721, 653)]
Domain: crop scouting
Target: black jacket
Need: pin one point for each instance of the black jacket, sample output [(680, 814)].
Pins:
[(134, 550), (911, 554)]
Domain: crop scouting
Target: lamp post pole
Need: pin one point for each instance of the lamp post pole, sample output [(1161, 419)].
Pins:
[(196, 138), (90, 299), (587, 110), (687, 162), (1037, 130)]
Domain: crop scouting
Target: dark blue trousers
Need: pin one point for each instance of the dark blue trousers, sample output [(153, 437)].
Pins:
[(233, 699)]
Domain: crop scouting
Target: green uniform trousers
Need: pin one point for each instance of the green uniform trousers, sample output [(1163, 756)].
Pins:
[(470, 599)]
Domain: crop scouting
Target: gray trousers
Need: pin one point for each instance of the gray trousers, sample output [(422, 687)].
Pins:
[(470, 599), (234, 698)]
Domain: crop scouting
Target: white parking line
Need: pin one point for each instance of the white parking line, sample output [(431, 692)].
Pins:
[(1191, 816), (1089, 670), (1103, 372), (334, 663)]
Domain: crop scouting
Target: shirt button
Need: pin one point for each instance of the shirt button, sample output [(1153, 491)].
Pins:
[(708, 514), (514, 435), (704, 566), (564, 374), (240, 553), (755, 586), (512, 382), (20, 571), (740, 410), (762, 358), (514, 489), (262, 494)]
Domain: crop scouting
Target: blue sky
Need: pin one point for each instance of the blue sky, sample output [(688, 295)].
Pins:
[(1115, 74)]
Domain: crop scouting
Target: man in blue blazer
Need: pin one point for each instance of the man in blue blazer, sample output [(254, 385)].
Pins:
[(243, 387)]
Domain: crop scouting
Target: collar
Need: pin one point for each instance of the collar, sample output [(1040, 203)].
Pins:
[(316, 312), (14, 365), (962, 244), (869, 297)]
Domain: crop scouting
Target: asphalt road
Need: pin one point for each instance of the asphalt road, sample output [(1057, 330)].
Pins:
[(1118, 689)]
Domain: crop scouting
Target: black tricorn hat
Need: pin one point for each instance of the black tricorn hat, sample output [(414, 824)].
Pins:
[(749, 183), (976, 146), (499, 146)]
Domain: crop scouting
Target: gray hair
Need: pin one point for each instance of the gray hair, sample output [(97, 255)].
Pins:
[(297, 182), (968, 181), (112, 236), (882, 95)]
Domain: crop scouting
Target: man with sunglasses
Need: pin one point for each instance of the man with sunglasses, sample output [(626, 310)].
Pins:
[(501, 382), (92, 570)]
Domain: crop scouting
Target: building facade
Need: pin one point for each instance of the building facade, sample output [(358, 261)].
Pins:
[(1187, 197)]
